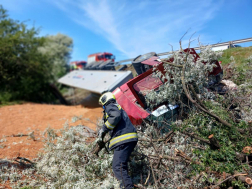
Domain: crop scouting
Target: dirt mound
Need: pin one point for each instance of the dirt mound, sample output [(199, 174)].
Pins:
[(17, 122)]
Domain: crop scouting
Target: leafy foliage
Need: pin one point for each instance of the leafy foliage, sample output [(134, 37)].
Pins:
[(58, 49), (25, 71), (238, 64), (195, 72)]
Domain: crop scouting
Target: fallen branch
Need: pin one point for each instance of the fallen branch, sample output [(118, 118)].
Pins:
[(147, 178), (164, 157), (23, 162), (197, 98), (244, 179), (22, 135), (98, 147), (157, 140), (230, 177), (155, 180), (186, 157), (200, 107), (193, 135)]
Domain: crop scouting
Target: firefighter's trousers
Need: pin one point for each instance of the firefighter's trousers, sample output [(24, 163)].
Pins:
[(120, 164)]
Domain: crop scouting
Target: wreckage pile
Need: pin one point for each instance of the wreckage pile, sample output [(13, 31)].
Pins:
[(207, 145)]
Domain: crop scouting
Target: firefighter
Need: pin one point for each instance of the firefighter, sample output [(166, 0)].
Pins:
[(123, 137)]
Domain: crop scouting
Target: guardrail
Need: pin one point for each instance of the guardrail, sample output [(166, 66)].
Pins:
[(196, 48)]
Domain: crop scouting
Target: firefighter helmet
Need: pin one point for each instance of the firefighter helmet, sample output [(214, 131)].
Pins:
[(106, 97)]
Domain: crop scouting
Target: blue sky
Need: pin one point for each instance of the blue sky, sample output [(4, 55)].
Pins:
[(128, 28)]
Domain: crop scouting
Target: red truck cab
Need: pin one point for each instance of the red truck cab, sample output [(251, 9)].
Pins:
[(101, 61), (131, 95), (96, 57)]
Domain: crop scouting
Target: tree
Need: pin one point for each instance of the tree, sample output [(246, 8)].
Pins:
[(24, 71), (58, 48)]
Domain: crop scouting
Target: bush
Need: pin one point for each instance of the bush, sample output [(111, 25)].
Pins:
[(26, 65)]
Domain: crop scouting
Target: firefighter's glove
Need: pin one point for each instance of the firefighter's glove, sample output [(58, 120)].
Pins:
[(101, 134)]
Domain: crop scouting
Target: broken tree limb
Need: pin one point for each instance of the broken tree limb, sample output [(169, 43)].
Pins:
[(164, 157), (200, 107), (196, 96), (186, 157), (214, 142), (153, 174), (168, 139), (147, 178), (243, 178), (31, 135), (230, 177), (241, 156), (182, 154), (193, 135), (23, 161), (98, 147), (157, 140), (18, 135)]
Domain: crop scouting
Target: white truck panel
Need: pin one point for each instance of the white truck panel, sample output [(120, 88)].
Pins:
[(90, 60), (220, 48), (96, 81)]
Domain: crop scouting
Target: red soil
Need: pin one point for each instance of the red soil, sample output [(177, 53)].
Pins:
[(25, 118)]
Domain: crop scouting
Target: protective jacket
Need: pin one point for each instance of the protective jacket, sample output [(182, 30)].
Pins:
[(118, 124)]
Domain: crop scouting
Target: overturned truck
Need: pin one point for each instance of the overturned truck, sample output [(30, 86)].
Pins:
[(131, 95), (130, 92)]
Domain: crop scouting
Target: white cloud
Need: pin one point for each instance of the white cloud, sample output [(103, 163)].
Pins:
[(137, 27)]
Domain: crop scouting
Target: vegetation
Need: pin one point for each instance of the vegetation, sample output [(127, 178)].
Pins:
[(28, 63), (237, 62), (205, 147), (58, 48)]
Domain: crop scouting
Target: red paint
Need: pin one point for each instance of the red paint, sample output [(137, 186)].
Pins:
[(104, 56), (128, 94)]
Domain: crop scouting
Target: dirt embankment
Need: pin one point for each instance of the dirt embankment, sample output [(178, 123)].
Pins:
[(26, 118)]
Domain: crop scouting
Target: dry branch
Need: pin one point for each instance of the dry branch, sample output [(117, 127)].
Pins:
[(197, 98), (244, 179), (187, 158), (98, 147), (200, 107), (240, 176), (193, 135), (153, 174), (158, 140)]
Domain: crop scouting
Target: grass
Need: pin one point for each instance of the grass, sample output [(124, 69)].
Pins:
[(5, 99), (240, 55), (237, 65)]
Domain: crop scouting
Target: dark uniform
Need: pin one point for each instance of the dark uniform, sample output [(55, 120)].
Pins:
[(123, 140)]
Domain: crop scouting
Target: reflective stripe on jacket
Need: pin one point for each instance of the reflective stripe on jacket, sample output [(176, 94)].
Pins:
[(119, 125), (121, 138)]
